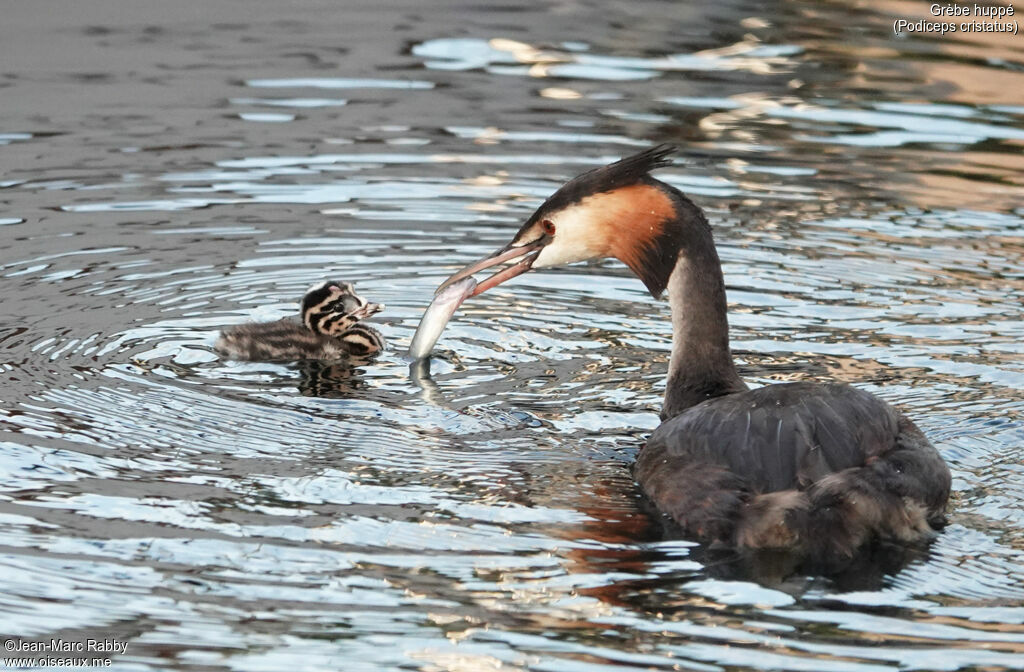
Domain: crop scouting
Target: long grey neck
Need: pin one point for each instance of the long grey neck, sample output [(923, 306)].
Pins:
[(701, 366)]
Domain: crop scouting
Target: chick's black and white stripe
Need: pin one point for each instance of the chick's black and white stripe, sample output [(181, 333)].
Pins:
[(362, 340)]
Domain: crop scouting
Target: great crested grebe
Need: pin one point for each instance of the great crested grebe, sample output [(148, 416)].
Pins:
[(819, 469), (329, 329)]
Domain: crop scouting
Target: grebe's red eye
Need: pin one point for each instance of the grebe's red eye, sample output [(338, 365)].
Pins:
[(548, 227)]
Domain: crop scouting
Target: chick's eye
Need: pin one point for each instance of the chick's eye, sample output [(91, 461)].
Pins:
[(548, 227)]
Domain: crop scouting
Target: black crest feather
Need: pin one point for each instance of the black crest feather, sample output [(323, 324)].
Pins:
[(623, 173)]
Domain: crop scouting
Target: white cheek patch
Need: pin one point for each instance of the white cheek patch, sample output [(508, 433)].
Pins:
[(578, 237)]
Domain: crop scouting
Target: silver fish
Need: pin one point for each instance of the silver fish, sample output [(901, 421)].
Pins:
[(438, 313)]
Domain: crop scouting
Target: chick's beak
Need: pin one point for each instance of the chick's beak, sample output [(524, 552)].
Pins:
[(526, 254), (368, 310)]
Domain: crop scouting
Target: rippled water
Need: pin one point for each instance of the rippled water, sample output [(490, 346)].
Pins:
[(167, 174)]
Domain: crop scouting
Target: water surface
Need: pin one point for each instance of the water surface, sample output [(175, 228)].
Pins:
[(167, 174)]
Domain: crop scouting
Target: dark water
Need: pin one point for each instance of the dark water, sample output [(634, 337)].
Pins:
[(167, 171)]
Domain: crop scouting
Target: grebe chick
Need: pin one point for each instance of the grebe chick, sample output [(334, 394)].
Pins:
[(328, 329)]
